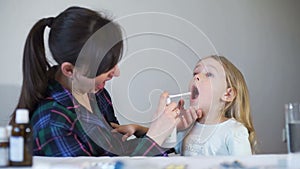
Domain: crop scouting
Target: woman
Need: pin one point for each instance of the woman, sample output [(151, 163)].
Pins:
[(67, 119)]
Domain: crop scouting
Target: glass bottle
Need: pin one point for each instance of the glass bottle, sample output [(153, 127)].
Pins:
[(21, 140), (3, 147)]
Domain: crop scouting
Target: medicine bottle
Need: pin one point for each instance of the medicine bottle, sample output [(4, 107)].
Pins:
[(3, 147), (21, 140)]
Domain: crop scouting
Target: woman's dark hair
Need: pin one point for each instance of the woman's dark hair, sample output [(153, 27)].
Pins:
[(69, 31)]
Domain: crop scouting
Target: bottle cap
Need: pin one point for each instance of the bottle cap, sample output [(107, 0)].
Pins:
[(3, 135), (22, 116)]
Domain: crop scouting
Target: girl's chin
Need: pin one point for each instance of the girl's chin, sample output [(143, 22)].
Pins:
[(194, 102)]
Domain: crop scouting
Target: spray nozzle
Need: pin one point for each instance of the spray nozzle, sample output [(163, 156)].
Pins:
[(177, 95)]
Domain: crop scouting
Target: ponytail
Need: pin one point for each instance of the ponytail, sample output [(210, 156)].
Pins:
[(35, 67)]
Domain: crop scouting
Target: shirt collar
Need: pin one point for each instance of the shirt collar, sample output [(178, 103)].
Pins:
[(60, 94)]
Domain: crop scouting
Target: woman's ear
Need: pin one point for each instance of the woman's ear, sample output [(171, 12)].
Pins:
[(67, 69), (229, 95)]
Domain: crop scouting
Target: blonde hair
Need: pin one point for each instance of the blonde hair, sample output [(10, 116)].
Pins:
[(239, 108)]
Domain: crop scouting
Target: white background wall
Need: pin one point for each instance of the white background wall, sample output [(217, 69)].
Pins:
[(261, 37)]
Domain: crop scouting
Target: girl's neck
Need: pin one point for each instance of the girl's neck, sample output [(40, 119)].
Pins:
[(212, 117), (205, 120)]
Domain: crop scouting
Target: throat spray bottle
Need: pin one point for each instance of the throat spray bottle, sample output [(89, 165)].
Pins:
[(171, 141)]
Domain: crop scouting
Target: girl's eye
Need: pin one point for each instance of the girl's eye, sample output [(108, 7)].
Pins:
[(195, 73), (208, 74)]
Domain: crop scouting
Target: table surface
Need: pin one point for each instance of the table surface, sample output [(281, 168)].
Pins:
[(173, 162)]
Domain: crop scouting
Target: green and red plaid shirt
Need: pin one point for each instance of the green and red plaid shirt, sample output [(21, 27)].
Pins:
[(62, 127)]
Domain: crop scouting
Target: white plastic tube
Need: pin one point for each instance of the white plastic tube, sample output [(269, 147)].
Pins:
[(177, 95)]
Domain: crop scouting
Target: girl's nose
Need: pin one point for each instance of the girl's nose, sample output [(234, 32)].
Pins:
[(199, 76)]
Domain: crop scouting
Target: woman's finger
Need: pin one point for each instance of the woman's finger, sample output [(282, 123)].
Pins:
[(171, 107), (188, 116), (181, 104), (184, 122), (125, 136), (162, 103), (194, 113), (114, 125)]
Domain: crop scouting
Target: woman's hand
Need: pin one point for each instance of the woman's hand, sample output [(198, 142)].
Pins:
[(129, 130), (164, 121), (187, 117)]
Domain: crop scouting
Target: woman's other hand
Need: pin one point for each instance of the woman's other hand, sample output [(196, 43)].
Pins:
[(129, 130)]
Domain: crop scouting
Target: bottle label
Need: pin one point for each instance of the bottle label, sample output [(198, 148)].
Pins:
[(16, 149), (171, 140), (3, 156), (172, 137)]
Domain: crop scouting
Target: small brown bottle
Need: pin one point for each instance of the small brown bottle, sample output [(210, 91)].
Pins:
[(3, 147), (20, 153)]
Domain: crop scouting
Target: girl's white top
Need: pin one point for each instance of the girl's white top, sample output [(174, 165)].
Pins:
[(227, 138)]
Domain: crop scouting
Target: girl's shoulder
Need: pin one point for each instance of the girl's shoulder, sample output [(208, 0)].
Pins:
[(236, 128), (232, 122)]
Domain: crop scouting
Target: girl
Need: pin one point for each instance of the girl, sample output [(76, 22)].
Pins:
[(225, 128), (70, 110)]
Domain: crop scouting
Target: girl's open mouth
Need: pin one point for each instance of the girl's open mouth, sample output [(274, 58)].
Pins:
[(195, 92)]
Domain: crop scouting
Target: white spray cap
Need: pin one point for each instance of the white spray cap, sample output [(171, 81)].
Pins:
[(3, 134), (168, 100), (22, 116)]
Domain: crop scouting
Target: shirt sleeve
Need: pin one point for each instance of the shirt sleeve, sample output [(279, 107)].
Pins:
[(99, 131), (238, 142)]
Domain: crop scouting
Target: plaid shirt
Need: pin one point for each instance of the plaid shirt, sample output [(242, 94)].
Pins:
[(62, 127)]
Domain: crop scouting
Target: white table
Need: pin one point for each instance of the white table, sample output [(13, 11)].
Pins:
[(279, 161)]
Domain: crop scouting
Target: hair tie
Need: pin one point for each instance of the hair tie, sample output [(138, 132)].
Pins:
[(49, 21)]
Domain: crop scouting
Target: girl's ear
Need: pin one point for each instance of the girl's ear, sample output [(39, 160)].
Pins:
[(229, 95), (67, 69)]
